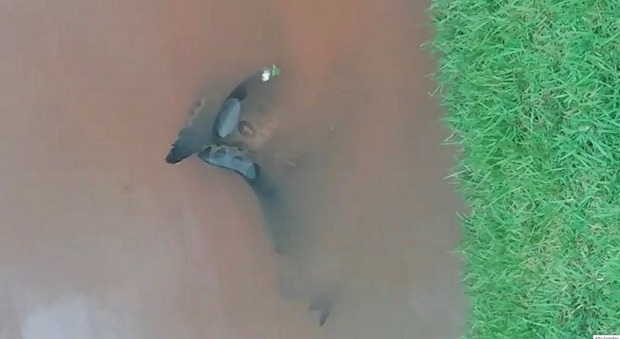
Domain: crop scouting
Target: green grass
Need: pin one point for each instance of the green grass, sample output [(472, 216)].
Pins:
[(532, 93)]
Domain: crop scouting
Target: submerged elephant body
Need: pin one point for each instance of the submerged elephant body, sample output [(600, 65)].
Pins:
[(235, 140)]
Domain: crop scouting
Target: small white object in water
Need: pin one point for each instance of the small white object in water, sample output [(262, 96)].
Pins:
[(268, 73)]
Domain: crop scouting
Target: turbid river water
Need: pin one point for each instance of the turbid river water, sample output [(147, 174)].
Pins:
[(100, 238)]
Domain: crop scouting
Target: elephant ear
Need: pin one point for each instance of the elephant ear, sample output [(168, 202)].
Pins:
[(227, 118)]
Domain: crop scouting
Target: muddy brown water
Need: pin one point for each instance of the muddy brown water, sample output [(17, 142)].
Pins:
[(100, 238)]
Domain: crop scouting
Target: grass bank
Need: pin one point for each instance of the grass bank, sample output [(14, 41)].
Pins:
[(532, 93)]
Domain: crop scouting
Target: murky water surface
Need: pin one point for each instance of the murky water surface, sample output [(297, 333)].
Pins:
[(100, 238)]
